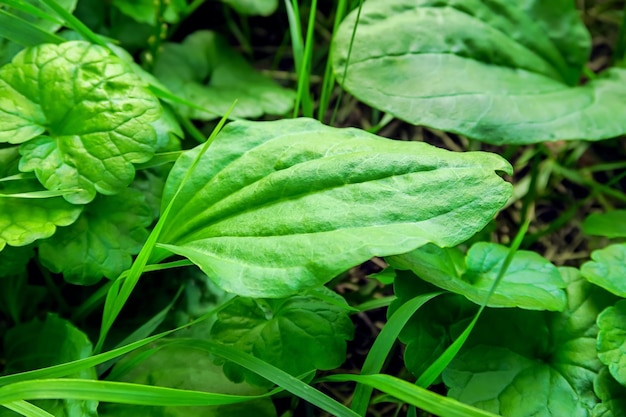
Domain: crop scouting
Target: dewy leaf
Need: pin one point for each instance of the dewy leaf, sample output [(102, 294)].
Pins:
[(297, 334), (612, 395), (277, 207), (22, 221), (530, 363), (175, 365), (611, 224), (530, 282), (206, 71), (253, 7), (612, 340), (608, 268), (81, 115), (39, 344), (498, 71), (102, 240)]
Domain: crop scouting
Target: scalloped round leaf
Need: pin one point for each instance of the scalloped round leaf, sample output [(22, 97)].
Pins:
[(530, 282), (81, 115), (102, 241), (612, 340), (206, 71), (296, 334), (277, 207), (499, 71), (607, 268), (24, 220), (612, 395)]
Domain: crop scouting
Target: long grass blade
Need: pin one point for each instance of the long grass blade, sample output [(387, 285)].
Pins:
[(27, 409), (24, 32), (75, 24), (303, 95)]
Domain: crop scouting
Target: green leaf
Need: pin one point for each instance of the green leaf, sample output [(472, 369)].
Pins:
[(499, 71), (102, 240), (84, 117), (182, 367), (39, 344), (296, 334), (253, 7), (522, 363), (530, 282), (147, 11), (277, 207), (206, 71), (611, 224), (612, 395), (612, 340), (608, 268), (13, 260), (22, 221)]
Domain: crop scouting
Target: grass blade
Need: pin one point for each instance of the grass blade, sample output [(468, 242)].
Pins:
[(27, 409), (24, 32)]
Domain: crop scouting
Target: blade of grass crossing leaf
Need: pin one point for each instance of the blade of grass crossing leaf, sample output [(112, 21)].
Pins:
[(436, 368), (23, 32), (382, 346), (41, 194), (27, 409), (303, 95), (411, 394), (75, 24), (119, 293)]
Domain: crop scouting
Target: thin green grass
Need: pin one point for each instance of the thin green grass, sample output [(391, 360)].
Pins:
[(27, 409), (302, 53)]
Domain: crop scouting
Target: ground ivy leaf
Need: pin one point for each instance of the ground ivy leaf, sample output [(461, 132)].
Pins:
[(522, 363), (174, 365), (24, 220), (102, 240), (39, 344), (611, 224), (205, 70), (84, 117), (612, 395), (498, 71), (297, 334), (277, 207), (253, 7), (612, 340), (608, 268), (530, 282)]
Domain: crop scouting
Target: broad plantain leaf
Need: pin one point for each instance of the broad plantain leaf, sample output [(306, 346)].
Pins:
[(102, 240), (608, 268), (253, 7), (206, 71), (530, 282), (610, 224), (498, 71), (24, 220), (39, 344), (612, 340), (277, 207), (174, 365), (81, 115), (296, 334), (612, 395), (531, 363)]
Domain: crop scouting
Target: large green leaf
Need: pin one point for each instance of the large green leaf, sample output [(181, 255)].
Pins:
[(178, 366), (498, 71), (276, 207), (24, 220), (529, 363), (81, 115), (206, 71), (102, 240), (612, 340), (39, 344), (608, 268), (530, 281), (296, 334)]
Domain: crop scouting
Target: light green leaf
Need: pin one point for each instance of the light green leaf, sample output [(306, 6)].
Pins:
[(612, 395), (206, 71), (611, 224), (530, 282), (253, 7), (296, 334), (102, 240), (84, 117), (277, 207), (612, 340), (178, 366), (39, 344), (608, 268), (523, 363), (22, 221), (498, 71)]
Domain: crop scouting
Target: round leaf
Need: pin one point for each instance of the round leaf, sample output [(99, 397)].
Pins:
[(612, 340), (608, 268)]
